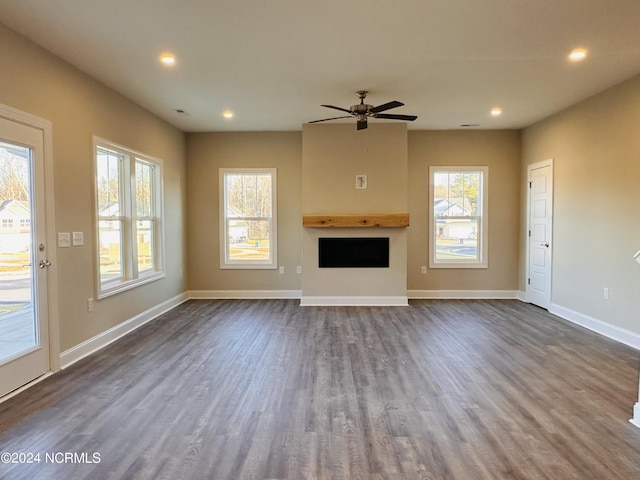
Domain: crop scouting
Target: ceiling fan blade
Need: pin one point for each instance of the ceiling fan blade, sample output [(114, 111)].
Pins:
[(386, 106), (337, 108), (362, 125), (409, 118), (332, 118)]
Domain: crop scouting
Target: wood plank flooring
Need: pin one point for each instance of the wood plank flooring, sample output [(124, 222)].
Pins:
[(269, 390)]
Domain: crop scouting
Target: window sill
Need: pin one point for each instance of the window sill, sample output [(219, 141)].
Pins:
[(119, 287), (458, 265)]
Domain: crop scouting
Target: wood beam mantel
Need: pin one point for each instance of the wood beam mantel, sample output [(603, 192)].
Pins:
[(356, 220)]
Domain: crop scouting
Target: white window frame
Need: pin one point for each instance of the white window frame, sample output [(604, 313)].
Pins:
[(482, 218), (225, 261), (128, 219)]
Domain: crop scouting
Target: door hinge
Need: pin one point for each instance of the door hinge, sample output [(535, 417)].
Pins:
[(530, 184), (528, 281), (529, 232)]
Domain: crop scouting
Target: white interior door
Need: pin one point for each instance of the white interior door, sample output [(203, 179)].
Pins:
[(24, 330), (540, 233)]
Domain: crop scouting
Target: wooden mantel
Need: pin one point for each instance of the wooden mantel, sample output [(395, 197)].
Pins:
[(356, 220)]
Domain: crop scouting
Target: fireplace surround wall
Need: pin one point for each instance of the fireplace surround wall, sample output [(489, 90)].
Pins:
[(333, 157)]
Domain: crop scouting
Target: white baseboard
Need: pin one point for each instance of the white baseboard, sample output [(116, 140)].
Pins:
[(244, 294), (354, 301), (463, 294), (636, 415), (618, 334), (71, 356)]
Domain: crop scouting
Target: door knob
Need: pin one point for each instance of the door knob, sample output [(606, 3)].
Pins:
[(44, 263), (545, 245)]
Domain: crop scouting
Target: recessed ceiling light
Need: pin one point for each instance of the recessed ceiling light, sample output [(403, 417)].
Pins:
[(577, 54), (167, 59), (227, 114), (496, 112)]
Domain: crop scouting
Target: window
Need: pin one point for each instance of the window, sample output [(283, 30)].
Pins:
[(458, 217), (248, 218), (129, 218)]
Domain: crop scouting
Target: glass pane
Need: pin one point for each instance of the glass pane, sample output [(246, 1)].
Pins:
[(456, 193), (110, 250), (145, 245), (248, 195), (457, 239), (248, 240), (18, 330), (144, 189), (108, 166)]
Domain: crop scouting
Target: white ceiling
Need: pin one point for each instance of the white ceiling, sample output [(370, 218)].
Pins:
[(274, 62)]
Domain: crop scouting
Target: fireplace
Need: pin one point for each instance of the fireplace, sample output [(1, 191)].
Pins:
[(350, 252)]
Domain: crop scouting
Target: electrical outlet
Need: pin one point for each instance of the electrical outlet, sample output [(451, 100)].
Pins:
[(90, 305), (281, 270), (298, 269), (605, 293), (423, 270)]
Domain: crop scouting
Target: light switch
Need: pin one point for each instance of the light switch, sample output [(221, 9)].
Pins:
[(78, 239), (64, 240)]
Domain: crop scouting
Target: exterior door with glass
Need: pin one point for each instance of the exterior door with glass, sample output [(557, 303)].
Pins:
[(24, 331)]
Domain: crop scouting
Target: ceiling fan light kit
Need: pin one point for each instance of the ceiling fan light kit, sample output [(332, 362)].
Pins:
[(363, 111)]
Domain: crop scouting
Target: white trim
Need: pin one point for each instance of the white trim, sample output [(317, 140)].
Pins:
[(225, 262), (127, 216), (74, 354), (636, 415), (18, 391), (355, 301), (618, 334), (464, 294), (33, 121), (244, 294), (482, 219)]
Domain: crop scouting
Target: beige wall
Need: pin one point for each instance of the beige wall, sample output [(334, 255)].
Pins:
[(334, 154), (207, 153), (316, 174), (332, 157), (595, 146), (39, 83), (500, 151)]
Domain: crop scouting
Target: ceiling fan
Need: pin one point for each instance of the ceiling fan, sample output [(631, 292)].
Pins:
[(363, 111)]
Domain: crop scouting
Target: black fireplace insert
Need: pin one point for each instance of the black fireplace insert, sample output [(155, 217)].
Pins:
[(353, 252)]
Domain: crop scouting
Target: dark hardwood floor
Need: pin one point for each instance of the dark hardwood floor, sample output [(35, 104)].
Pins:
[(266, 389)]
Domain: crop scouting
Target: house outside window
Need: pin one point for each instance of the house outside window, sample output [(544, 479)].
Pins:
[(458, 217), (248, 227), (129, 218)]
